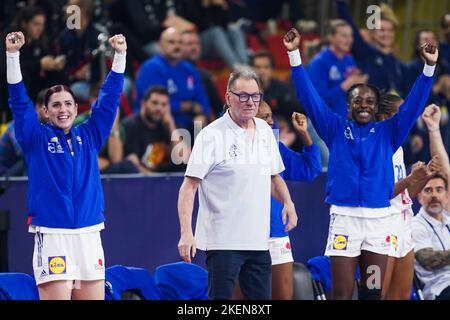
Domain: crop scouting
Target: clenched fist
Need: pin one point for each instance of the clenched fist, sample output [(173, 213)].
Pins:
[(118, 43), (14, 41), (291, 40)]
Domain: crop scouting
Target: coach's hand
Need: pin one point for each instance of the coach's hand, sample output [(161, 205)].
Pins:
[(291, 40), (290, 215), (186, 247)]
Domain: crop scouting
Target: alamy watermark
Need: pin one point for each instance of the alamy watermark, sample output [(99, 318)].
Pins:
[(374, 20), (73, 20)]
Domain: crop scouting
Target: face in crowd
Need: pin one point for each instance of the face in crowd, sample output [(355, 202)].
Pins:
[(385, 35), (155, 107), (263, 67), (192, 49), (34, 28), (342, 39), (265, 113), (170, 45), (434, 196)]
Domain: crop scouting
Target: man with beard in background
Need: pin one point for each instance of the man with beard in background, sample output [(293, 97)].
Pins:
[(431, 237), (146, 136)]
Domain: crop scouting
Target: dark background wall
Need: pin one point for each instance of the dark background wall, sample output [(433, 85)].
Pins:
[(141, 227)]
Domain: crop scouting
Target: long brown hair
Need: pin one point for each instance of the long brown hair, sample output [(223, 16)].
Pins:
[(25, 16)]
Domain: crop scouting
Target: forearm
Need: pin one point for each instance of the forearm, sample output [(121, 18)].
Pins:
[(431, 259), (306, 139), (401, 185), (280, 190), (115, 149), (319, 113), (437, 148), (413, 105), (13, 72), (185, 207), (416, 186)]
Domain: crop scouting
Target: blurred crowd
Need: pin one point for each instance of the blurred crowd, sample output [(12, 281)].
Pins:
[(180, 54)]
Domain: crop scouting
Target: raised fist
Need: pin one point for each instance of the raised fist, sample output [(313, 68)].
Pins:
[(118, 43), (291, 40), (14, 41), (429, 53)]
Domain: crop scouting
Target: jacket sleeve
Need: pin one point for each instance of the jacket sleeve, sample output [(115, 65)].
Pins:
[(26, 120), (105, 108), (410, 110), (305, 166), (324, 120)]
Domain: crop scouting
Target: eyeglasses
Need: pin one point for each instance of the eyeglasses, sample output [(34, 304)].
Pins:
[(243, 97)]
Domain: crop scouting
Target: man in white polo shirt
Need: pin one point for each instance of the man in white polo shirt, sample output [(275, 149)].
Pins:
[(235, 164), (431, 237)]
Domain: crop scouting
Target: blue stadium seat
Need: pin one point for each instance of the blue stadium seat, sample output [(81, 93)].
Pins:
[(182, 281), (303, 283), (120, 280), (18, 286), (320, 269)]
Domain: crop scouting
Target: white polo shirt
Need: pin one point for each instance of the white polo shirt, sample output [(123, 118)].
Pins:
[(234, 194), (428, 232)]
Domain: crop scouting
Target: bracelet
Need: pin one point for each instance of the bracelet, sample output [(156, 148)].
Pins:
[(433, 130)]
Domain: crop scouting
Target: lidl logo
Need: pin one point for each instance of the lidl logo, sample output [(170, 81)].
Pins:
[(340, 242), (57, 265)]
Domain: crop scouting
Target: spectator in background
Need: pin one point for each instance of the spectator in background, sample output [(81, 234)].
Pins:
[(416, 64), (417, 147), (40, 69), (431, 236), (10, 8), (377, 59), (192, 51), (445, 45), (146, 136), (12, 162), (188, 100), (281, 97), (142, 22), (221, 37), (333, 71), (432, 117), (110, 157), (78, 44), (278, 94)]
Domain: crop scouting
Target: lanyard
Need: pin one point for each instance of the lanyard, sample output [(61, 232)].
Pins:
[(432, 228)]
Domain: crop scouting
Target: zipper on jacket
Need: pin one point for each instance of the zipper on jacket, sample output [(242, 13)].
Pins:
[(72, 157), (73, 142)]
